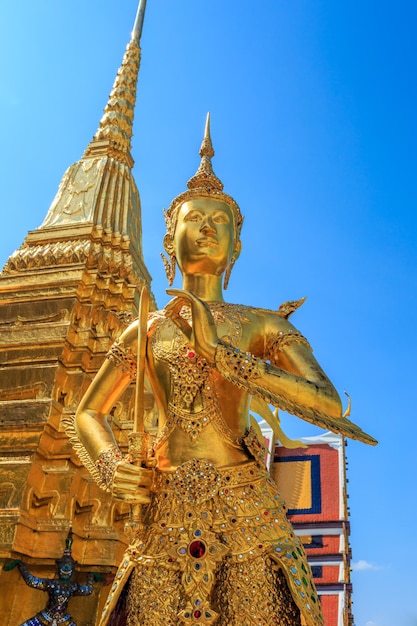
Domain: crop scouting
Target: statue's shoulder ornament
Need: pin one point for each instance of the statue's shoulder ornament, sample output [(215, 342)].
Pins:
[(286, 309)]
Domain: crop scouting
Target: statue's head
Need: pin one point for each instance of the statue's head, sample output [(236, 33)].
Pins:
[(65, 570), (66, 564), (204, 197)]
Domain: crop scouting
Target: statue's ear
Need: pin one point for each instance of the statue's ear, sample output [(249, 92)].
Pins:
[(168, 244)]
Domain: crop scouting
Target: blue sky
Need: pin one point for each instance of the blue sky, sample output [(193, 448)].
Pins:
[(313, 122)]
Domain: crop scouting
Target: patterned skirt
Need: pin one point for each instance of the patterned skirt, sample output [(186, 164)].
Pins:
[(45, 618), (216, 548)]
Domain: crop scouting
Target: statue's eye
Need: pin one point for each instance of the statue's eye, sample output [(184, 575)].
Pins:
[(221, 218), (194, 216)]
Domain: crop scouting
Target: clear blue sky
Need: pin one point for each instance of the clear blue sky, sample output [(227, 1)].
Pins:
[(313, 121)]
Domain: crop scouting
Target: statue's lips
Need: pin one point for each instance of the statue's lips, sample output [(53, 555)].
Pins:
[(207, 242)]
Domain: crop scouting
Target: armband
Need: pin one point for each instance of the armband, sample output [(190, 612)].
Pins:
[(235, 365), (277, 341), (123, 358)]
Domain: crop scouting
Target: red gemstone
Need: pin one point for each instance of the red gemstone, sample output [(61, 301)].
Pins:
[(197, 614), (191, 354), (197, 549)]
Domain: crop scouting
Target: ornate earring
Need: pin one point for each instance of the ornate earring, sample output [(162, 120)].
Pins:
[(169, 267), (228, 272)]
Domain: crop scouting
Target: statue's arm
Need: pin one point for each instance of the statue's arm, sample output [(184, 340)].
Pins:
[(32, 581), (288, 376), (303, 383), (87, 589), (292, 381), (117, 474), (287, 351), (112, 379)]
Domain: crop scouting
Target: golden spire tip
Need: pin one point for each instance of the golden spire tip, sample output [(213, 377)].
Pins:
[(207, 129), (138, 25)]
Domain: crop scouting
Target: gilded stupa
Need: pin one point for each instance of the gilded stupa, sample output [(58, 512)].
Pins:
[(65, 294)]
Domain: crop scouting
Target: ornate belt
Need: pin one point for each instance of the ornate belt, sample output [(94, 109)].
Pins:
[(197, 480)]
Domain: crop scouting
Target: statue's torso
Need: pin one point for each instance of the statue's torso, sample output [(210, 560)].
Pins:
[(201, 415), (59, 596)]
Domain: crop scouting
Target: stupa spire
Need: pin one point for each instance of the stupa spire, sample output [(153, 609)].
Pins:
[(114, 134), (97, 206), (138, 25), (99, 188)]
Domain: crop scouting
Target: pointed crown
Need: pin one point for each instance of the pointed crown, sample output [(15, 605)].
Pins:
[(66, 558), (204, 184)]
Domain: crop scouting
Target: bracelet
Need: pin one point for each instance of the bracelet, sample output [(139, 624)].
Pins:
[(106, 464)]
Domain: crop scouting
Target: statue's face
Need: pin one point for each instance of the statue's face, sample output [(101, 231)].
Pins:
[(65, 571), (204, 240)]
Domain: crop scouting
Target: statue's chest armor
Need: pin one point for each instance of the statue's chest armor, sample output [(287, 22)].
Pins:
[(192, 401)]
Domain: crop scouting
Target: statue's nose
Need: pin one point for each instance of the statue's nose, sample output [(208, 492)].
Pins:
[(207, 226)]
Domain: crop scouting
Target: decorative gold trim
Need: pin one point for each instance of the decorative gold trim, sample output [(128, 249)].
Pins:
[(82, 453)]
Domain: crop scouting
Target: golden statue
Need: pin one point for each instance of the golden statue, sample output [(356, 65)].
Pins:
[(214, 545)]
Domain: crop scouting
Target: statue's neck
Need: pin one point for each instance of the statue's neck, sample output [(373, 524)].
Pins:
[(207, 287)]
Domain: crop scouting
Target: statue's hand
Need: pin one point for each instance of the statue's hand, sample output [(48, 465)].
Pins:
[(9, 565), (202, 333), (131, 483)]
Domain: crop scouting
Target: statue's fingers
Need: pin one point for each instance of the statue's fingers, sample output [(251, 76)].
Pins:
[(189, 298), (184, 296), (182, 324), (146, 480), (125, 468), (143, 477), (172, 311), (127, 483), (139, 497), (179, 293), (173, 308), (176, 304), (126, 487)]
